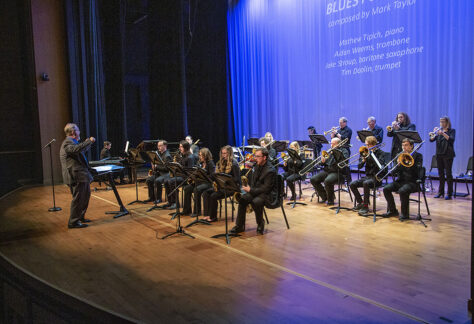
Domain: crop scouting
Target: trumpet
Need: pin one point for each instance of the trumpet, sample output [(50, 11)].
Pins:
[(364, 152), (390, 127), (434, 132), (332, 130), (317, 161), (402, 158)]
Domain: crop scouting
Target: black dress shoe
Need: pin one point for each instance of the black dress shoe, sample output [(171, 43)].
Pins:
[(293, 197), (237, 229), (330, 203), (77, 224), (86, 220), (173, 206), (390, 214), (358, 207), (403, 217), (260, 229), (447, 197), (438, 195)]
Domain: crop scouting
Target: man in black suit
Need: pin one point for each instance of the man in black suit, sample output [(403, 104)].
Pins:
[(343, 133), (76, 175), (405, 183), (257, 192), (160, 174)]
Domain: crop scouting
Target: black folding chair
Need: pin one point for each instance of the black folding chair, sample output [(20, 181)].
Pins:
[(465, 177), (279, 189)]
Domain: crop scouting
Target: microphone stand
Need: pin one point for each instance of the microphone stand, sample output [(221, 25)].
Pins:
[(54, 208)]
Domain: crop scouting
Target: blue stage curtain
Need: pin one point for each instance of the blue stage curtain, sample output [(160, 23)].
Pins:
[(279, 82)]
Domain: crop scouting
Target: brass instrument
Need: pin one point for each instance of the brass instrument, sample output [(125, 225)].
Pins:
[(332, 130), (434, 133), (364, 152), (150, 172), (324, 154), (238, 195), (282, 159), (390, 127), (405, 159)]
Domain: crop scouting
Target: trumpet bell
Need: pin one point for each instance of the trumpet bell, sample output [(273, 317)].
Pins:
[(389, 128)]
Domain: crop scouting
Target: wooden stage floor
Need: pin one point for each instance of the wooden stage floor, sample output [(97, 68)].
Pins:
[(327, 268)]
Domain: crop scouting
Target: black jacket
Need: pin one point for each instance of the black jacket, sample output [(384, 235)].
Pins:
[(105, 153), (445, 147), (346, 132), (166, 157), (378, 133), (412, 174), (188, 160), (292, 166), (75, 167), (234, 172), (330, 165), (262, 180), (396, 143), (371, 167)]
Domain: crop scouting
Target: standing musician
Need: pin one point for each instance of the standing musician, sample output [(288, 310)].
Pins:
[(187, 160), (160, 174), (206, 163), (328, 175), (266, 143), (376, 129), (367, 182), (269, 136), (76, 175), (316, 147), (226, 164), (405, 183), (291, 168), (401, 122), (257, 192), (342, 133), (444, 136)]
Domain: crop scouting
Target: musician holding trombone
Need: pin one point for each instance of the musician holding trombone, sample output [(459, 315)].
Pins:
[(444, 136), (328, 175), (373, 158), (401, 122), (407, 169)]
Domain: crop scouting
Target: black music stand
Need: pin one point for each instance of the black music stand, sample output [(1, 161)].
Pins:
[(109, 170), (413, 135), (54, 208), (226, 183), (178, 171), (363, 134), (198, 175), (154, 158), (295, 157), (318, 139), (253, 141), (135, 161), (280, 146), (338, 157)]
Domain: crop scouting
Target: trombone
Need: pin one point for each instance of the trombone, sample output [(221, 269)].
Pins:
[(317, 161), (364, 152), (332, 130), (405, 159)]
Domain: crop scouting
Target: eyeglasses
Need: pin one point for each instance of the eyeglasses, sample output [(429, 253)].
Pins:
[(258, 156)]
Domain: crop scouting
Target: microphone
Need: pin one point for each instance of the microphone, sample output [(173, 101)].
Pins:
[(51, 142)]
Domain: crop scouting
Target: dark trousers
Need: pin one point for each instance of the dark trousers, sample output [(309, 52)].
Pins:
[(206, 194), (81, 193), (367, 183), (211, 201), (329, 179), (290, 181), (156, 183), (170, 185), (198, 191), (445, 171), (188, 191), (257, 203), (404, 190)]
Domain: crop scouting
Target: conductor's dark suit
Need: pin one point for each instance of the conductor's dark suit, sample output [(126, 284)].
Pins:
[(76, 175)]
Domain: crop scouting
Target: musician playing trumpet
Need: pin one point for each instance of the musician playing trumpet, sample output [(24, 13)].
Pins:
[(328, 175), (291, 168), (342, 133), (444, 136), (373, 161), (405, 182), (401, 122)]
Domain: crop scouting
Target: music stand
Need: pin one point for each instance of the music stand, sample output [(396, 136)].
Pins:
[(227, 184), (318, 139), (178, 171), (280, 146), (413, 135), (338, 157), (253, 141), (295, 157), (154, 158), (135, 161), (198, 175), (54, 208), (363, 134), (110, 169)]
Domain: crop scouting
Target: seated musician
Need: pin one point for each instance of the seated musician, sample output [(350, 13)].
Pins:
[(226, 164), (206, 163), (105, 154), (367, 182), (328, 175), (160, 174), (187, 160), (257, 192), (291, 168), (405, 183), (266, 143)]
